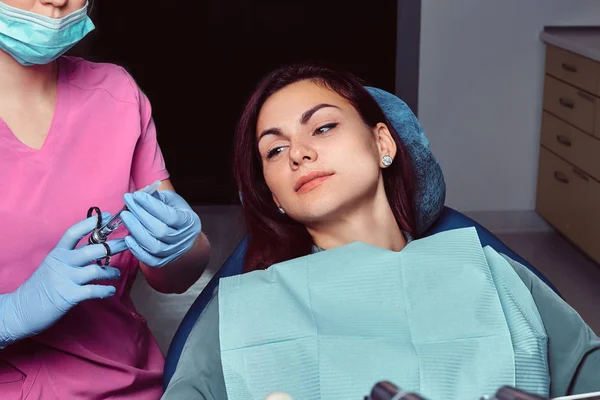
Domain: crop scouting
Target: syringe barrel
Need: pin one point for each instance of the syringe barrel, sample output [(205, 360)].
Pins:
[(100, 235)]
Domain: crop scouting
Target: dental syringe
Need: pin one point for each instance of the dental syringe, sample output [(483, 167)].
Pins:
[(100, 235)]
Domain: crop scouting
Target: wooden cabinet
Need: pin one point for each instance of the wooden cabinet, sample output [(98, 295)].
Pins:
[(568, 189)]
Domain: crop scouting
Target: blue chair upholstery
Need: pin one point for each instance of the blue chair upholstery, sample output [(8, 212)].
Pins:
[(448, 220)]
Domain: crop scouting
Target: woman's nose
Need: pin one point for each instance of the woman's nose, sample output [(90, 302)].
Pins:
[(301, 153)]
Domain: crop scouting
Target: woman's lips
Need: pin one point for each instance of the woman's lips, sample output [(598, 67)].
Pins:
[(311, 181)]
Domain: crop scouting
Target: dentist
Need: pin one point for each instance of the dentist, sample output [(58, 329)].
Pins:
[(76, 134)]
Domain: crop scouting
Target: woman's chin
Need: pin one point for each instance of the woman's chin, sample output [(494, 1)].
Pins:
[(317, 210)]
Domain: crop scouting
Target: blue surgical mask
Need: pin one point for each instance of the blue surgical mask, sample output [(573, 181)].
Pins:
[(33, 39)]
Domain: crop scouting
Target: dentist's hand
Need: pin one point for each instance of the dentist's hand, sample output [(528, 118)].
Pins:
[(60, 283), (162, 228)]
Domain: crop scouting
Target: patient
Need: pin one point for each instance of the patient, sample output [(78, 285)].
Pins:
[(340, 291)]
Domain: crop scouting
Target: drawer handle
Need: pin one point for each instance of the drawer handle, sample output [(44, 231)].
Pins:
[(566, 103), (559, 176), (564, 140), (569, 67), (581, 174)]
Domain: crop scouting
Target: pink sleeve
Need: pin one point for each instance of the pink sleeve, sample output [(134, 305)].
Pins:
[(148, 163)]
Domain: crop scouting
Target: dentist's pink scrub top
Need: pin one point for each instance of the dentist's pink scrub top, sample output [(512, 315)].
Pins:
[(101, 144)]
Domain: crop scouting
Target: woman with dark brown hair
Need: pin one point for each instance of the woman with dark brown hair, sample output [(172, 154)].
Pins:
[(340, 291), (283, 214)]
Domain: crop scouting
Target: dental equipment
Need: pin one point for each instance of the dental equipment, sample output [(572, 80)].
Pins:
[(101, 232)]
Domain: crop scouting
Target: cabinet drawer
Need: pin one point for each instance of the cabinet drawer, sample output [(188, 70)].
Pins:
[(570, 104), (572, 68), (577, 147), (553, 191), (569, 200)]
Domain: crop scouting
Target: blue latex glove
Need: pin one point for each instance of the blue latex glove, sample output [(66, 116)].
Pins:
[(162, 228), (60, 283)]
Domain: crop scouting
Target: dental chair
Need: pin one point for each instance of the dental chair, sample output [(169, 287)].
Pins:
[(432, 217)]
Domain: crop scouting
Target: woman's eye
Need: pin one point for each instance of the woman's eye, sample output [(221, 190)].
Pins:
[(273, 152), (325, 128)]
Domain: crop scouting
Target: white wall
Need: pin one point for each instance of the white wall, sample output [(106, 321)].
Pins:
[(480, 93)]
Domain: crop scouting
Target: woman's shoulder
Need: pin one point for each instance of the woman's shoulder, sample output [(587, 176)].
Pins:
[(208, 321), (199, 372), (99, 76)]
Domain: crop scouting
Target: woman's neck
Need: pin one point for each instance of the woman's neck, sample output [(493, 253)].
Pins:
[(372, 223), (20, 83)]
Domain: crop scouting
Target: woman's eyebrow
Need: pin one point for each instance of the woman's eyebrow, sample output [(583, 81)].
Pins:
[(306, 116), (270, 131)]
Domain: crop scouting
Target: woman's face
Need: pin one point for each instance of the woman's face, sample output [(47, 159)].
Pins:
[(47, 8), (319, 158)]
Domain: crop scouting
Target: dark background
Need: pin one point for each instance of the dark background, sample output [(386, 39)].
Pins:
[(198, 61)]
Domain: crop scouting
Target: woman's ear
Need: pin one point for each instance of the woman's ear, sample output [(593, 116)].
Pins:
[(385, 142)]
